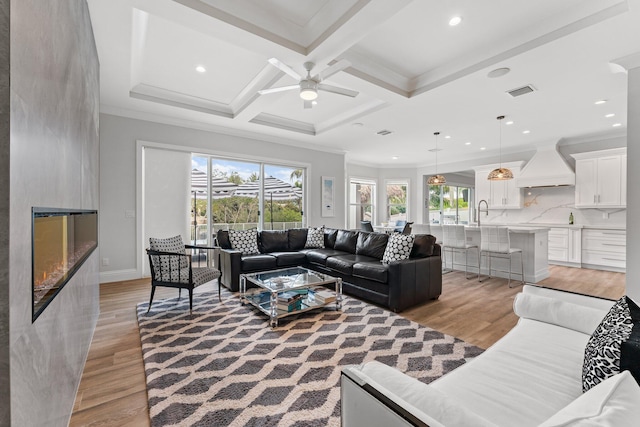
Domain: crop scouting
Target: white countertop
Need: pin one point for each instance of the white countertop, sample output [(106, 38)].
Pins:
[(571, 226)]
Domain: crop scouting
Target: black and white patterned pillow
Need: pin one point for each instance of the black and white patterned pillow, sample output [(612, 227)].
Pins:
[(315, 238), (245, 241), (602, 353), (398, 247)]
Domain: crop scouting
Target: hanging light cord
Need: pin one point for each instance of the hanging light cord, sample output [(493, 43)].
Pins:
[(500, 121)]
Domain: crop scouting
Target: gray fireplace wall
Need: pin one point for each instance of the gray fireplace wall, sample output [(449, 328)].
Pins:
[(53, 155)]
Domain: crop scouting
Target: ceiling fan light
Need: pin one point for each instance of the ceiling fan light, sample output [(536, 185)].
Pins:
[(308, 90), (436, 180), (500, 174)]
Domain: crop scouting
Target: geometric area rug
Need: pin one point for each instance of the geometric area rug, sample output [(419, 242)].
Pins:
[(225, 366)]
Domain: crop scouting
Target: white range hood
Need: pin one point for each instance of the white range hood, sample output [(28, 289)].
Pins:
[(547, 168)]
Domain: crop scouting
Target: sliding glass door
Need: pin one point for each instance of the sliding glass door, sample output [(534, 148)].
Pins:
[(450, 204)]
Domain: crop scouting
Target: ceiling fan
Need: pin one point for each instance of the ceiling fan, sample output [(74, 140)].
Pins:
[(310, 85)]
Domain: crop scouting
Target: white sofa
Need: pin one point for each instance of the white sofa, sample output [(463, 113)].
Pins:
[(525, 378)]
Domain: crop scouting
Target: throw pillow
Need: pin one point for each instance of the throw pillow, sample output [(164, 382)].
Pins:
[(630, 349), (398, 247), (315, 238), (245, 241), (613, 402), (602, 353)]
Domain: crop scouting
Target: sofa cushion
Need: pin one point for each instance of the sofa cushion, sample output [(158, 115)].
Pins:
[(297, 238), (319, 256), (344, 263), (375, 271), (371, 244), (284, 259), (274, 241), (245, 241), (557, 312), (315, 238), (602, 353), (330, 235), (613, 402), (423, 245), (346, 241), (258, 262), (398, 248), (223, 239)]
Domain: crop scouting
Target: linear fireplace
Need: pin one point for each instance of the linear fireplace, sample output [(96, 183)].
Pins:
[(62, 239)]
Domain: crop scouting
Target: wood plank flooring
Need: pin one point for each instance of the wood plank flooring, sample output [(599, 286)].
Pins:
[(112, 391)]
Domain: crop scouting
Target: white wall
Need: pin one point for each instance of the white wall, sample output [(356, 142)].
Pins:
[(120, 238), (633, 177)]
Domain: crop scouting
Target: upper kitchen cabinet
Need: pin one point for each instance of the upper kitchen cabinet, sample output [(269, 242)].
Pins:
[(499, 194), (601, 179)]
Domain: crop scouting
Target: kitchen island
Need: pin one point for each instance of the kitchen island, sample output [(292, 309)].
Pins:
[(532, 240)]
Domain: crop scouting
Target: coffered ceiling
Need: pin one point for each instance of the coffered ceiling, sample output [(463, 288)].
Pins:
[(414, 73)]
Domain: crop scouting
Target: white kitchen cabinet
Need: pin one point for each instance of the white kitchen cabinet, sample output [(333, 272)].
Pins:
[(601, 179), (565, 246), (604, 249), (499, 194)]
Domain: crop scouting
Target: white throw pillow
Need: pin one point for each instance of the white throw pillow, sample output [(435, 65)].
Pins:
[(245, 241), (315, 238), (398, 247), (556, 312), (614, 402)]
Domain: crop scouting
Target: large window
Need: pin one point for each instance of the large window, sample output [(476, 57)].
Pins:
[(397, 201), (449, 204), (361, 202), (241, 199)]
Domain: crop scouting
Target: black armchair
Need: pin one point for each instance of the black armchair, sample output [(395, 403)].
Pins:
[(407, 228), (172, 267)]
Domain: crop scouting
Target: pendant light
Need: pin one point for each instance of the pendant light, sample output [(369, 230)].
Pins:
[(436, 179), (500, 174)]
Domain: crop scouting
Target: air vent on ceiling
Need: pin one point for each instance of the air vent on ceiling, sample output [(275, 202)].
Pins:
[(384, 132), (521, 90)]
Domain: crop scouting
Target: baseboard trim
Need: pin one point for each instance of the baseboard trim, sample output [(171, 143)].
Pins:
[(119, 275)]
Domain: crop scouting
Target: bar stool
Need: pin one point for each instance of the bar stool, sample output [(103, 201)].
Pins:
[(454, 239), (494, 242)]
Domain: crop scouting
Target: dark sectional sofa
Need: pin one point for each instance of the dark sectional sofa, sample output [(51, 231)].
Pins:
[(354, 256)]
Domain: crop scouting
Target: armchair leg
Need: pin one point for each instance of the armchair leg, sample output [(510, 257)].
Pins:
[(153, 291), (179, 292), (219, 291), (190, 300)]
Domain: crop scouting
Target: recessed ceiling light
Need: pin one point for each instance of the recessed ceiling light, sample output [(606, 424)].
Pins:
[(455, 21), (601, 101), (395, 157), (609, 115), (467, 143), (483, 148), (615, 125), (447, 137), (498, 72), (526, 131), (510, 122), (200, 69)]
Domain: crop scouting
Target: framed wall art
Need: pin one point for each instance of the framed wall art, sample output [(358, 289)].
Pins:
[(328, 196)]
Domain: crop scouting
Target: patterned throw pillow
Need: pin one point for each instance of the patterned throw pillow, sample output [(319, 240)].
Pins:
[(398, 247), (602, 353), (245, 241), (315, 238)]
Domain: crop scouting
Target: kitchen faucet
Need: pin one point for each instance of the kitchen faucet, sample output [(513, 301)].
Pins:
[(480, 210)]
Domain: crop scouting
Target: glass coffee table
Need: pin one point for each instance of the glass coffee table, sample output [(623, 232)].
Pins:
[(288, 291)]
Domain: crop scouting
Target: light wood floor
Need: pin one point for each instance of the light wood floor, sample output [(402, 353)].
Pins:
[(112, 391)]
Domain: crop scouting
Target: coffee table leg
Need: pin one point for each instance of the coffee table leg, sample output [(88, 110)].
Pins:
[(274, 309), (243, 289), (339, 294)]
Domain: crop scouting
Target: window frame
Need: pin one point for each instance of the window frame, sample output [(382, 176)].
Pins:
[(373, 204), (398, 181)]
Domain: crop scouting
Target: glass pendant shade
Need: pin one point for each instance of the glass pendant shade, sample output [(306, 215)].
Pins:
[(500, 174), (436, 179)]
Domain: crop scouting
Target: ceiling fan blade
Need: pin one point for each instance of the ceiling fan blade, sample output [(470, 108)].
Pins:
[(308, 104), (333, 69), (338, 90), (278, 89), (284, 68)]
